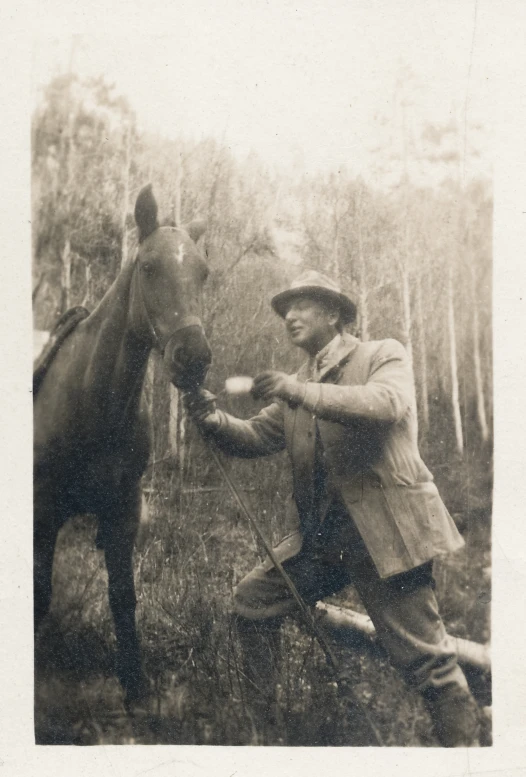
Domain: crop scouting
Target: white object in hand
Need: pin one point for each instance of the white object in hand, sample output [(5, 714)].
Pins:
[(239, 385)]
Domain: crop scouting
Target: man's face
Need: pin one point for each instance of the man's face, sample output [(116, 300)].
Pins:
[(310, 324)]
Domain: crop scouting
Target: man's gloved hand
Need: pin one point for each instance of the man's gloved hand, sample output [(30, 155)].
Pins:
[(201, 407), (278, 385)]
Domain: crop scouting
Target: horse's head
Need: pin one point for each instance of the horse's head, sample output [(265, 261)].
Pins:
[(169, 275)]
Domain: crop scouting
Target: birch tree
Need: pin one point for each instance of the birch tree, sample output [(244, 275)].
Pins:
[(475, 327), (453, 364), (126, 191), (422, 351), (363, 302)]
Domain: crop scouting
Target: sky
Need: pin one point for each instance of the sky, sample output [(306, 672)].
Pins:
[(311, 83)]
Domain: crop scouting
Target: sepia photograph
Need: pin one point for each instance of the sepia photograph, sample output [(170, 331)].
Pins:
[(263, 395)]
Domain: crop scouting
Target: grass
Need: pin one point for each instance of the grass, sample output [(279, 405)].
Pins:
[(189, 556)]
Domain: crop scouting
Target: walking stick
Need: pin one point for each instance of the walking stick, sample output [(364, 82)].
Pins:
[(343, 679)]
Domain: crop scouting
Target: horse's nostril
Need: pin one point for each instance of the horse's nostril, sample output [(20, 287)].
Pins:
[(176, 357)]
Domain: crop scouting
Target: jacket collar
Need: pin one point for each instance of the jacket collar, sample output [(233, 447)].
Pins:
[(336, 353)]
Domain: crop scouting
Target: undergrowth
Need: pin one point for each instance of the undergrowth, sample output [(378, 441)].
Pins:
[(190, 553)]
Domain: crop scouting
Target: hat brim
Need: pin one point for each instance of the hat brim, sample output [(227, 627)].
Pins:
[(282, 301)]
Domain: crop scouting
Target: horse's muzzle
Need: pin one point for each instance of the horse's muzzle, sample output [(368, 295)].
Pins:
[(187, 357)]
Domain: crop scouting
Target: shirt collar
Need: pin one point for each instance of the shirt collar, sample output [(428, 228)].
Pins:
[(318, 362)]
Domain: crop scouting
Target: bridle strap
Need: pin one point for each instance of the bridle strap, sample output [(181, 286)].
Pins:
[(184, 323)]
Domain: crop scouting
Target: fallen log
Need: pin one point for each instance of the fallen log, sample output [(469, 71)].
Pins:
[(357, 631)]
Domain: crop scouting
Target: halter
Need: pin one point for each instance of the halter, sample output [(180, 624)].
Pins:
[(184, 323)]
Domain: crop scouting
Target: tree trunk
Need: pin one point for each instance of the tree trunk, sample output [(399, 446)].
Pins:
[(181, 440), (408, 324), (455, 404), (174, 419), (363, 313), (65, 278), (424, 396), (177, 415), (362, 293), (406, 289), (125, 196), (88, 293), (65, 154), (177, 196), (479, 387), (336, 256), (160, 410), (177, 431)]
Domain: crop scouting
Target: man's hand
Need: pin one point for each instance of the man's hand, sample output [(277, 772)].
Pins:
[(272, 385), (201, 407)]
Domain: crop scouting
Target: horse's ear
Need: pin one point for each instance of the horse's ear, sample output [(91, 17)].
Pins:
[(146, 212), (196, 228)]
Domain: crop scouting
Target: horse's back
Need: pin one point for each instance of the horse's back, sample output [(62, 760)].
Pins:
[(50, 346), (80, 459), (57, 398)]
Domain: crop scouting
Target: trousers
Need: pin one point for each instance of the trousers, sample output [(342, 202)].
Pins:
[(403, 609)]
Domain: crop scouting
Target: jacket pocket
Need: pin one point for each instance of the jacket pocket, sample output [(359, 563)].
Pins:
[(379, 527), (357, 488)]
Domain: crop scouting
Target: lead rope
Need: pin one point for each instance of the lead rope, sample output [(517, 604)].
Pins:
[(343, 680)]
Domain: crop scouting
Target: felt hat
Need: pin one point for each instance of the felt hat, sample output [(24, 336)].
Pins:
[(314, 285)]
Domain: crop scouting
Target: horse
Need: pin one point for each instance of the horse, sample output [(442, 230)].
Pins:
[(92, 432)]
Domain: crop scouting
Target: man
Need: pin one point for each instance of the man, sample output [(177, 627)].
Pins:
[(369, 512)]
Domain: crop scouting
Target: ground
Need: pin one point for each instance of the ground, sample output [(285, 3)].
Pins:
[(189, 556)]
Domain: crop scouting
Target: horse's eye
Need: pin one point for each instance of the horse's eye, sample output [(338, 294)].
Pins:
[(147, 268)]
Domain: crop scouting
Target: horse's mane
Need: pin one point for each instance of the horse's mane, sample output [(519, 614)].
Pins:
[(64, 326)]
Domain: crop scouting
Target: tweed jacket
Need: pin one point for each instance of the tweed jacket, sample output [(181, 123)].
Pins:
[(363, 408)]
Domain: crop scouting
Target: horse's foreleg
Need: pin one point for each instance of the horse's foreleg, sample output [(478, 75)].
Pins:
[(119, 538), (44, 540)]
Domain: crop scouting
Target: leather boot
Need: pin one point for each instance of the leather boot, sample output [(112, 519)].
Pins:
[(455, 716)]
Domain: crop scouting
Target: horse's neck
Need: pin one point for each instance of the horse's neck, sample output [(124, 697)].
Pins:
[(118, 358)]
